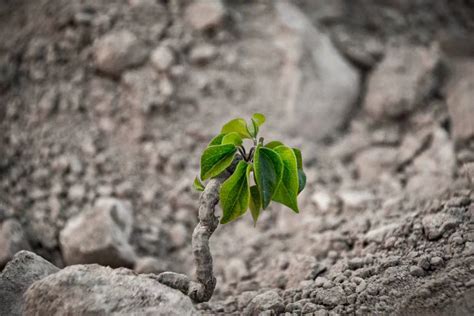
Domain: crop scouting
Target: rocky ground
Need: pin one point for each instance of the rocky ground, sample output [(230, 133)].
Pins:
[(106, 106)]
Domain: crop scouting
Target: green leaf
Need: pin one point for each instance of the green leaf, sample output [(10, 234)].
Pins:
[(235, 193), (301, 174), (301, 180), (197, 184), (287, 191), (252, 128), (217, 140), (258, 118), (232, 138), (237, 125), (216, 159), (268, 170), (255, 122), (274, 144), (255, 203), (299, 158)]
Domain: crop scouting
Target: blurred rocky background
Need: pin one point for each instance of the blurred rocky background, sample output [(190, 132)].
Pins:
[(105, 107)]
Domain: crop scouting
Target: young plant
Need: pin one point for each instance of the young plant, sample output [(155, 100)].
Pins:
[(264, 173), (240, 179)]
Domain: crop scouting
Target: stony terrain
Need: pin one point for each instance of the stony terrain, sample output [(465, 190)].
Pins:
[(105, 107)]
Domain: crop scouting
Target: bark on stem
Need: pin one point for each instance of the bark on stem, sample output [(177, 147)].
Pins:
[(202, 289)]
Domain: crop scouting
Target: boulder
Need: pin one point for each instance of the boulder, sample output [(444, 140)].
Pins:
[(100, 235), (24, 269), (404, 78), (12, 240), (96, 290), (319, 88), (116, 51)]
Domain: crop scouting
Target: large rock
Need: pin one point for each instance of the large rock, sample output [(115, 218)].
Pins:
[(117, 51), (96, 290), (319, 86), (405, 77), (100, 235), (460, 100), (24, 269), (12, 240)]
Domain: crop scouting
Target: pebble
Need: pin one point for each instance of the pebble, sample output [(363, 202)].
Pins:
[(77, 192), (362, 286), (356, 263), (469, 248), (416, 271), (323, 199), (309, 308), (202, 54), (105, 190), (116, 51), (203, 15), (162, 58), (435, 225), (459, 201), (320, 281), (390, 242), (424, 262)]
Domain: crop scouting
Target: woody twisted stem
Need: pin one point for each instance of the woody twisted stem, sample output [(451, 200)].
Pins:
[(202, 289)]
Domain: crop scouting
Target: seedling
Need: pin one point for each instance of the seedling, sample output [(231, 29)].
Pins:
[(266, 172), (240, 179)]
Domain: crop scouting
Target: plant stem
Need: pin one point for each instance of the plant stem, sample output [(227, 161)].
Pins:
[(251, 152), (202, 289), (242, 152)]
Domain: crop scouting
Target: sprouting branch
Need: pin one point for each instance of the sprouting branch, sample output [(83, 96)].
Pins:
[(202, 289)]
